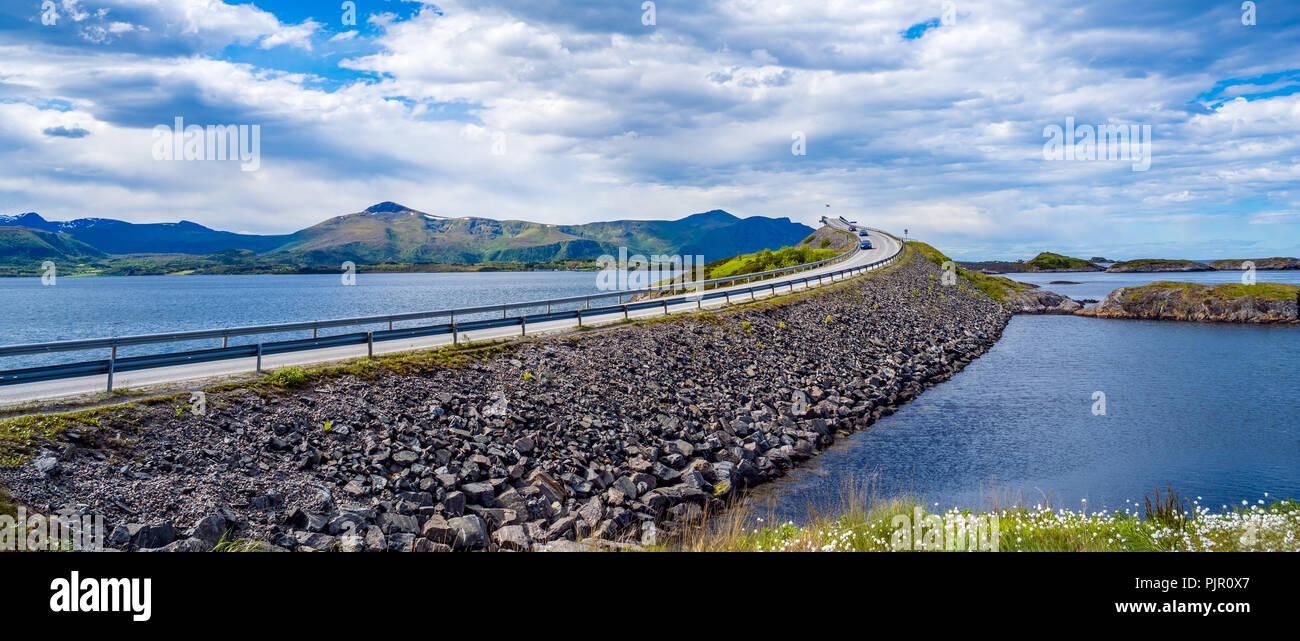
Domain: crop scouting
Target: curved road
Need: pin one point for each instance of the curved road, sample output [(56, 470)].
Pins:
[(884, 247)]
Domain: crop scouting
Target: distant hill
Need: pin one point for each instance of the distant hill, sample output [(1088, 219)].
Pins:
[(1043, 262), (23, 243), (119, 237), (1049, 262), (392, 233)]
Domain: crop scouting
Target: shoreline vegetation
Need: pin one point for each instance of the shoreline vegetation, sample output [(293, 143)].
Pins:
[(213, 265), (1161, 522), (751, 263)]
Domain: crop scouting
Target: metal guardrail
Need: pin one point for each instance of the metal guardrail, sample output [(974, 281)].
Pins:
[(114, 364)]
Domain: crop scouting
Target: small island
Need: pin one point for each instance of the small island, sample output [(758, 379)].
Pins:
[(1270, 264), (1043, 262), (1231, 303), (1159, 265)]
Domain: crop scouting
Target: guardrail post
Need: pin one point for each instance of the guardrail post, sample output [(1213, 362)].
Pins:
[(503, 312), (625, 312), (523, 325), (580, 318), (313, 332), (259, 357), (370, 344), (665, 307), (455, 338), (390, 326), (112, 364), (548, 308), (225, 341), (728, 295)]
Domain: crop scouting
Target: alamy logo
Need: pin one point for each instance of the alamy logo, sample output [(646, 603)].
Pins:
[(1103, 142), (75, 594), (951, 532), (41, 533), (216, 142), (630, 273)]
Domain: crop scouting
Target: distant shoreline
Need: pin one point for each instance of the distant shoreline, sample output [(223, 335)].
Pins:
[(129, 269)]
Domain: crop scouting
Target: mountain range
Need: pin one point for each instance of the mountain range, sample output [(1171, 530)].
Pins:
[(393, 233)]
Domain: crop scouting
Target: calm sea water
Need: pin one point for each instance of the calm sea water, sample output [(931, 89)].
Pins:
[(1207, 409), (93, 307), (1095, 285)]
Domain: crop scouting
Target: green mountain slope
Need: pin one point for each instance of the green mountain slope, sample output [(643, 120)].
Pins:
[(25, 244), (389, 232)]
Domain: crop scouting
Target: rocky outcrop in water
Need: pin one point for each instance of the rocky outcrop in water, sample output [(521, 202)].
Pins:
[(618, 437), (1034, 300), (1195, 302), (1149, 265), (1261, 264)]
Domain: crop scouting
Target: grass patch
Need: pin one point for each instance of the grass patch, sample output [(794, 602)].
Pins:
[(239, 545), (1169, 524), (21, 435), (997, 287), (289, 377), (1224, 291), (766, 260)]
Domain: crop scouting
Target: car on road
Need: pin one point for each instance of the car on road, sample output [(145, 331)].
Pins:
[(866, 244), (862, 233)]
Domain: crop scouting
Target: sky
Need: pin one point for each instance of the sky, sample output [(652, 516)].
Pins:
[(928, 116)]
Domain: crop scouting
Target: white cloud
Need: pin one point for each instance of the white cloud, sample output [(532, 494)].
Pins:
[(298, 35), (941, 135)]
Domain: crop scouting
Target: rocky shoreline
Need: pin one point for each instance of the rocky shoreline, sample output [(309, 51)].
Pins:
[(1035, 300), (1195, 302), (608, 438)]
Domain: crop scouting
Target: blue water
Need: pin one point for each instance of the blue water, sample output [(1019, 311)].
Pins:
[(1095, 285), (94, 307), (1209, 409)]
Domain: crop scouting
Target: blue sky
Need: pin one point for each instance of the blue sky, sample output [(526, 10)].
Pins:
[(579, 110)]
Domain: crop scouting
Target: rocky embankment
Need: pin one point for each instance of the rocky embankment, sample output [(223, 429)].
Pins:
[(617, 437), (1263, 303)]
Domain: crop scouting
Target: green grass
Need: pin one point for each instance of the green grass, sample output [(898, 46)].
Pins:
[(866, 526), (239, 545), (767, 260), (288, 377), (20, 436), (1225, 291), (997, 287)]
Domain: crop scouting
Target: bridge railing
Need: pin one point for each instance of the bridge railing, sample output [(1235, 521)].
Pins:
[(467, 322)]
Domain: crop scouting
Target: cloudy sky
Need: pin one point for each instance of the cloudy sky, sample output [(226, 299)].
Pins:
[(922, 115)]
